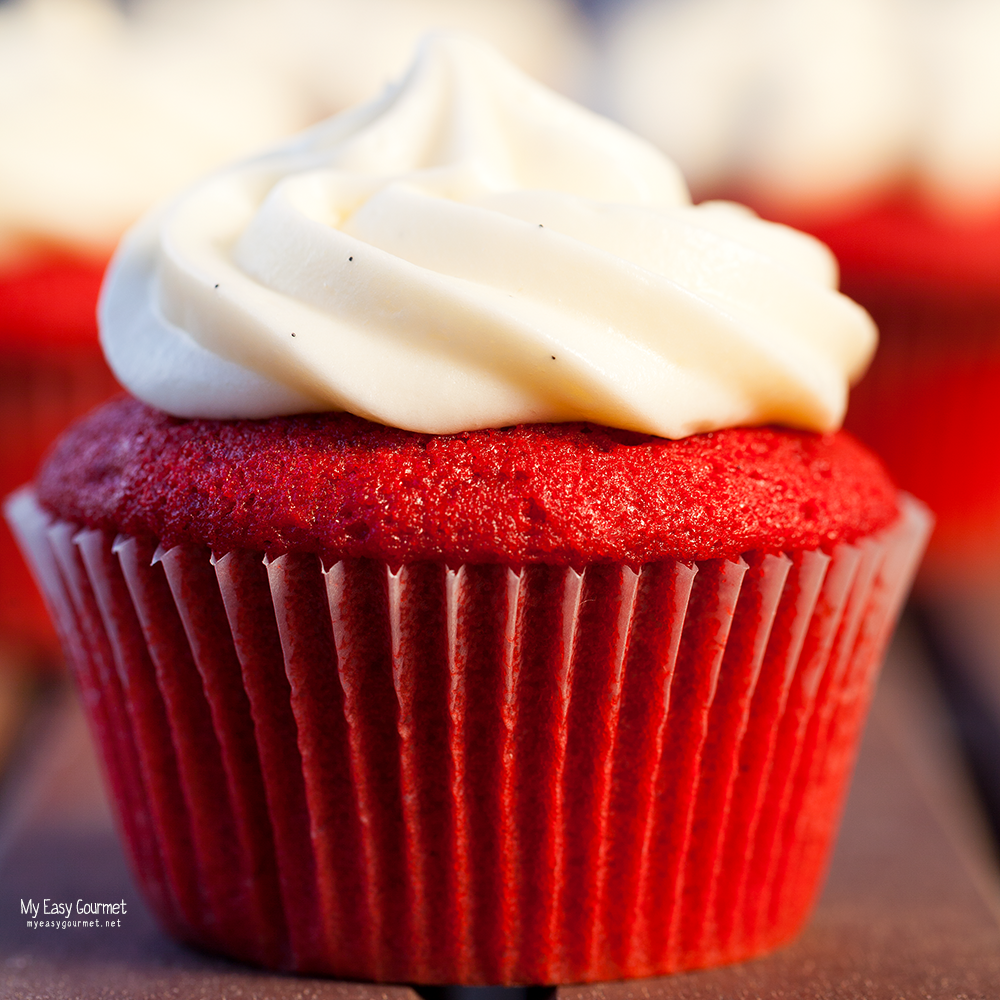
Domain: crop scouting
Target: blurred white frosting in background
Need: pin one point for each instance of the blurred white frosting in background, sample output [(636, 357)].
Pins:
[(816, 106), (105, 110)]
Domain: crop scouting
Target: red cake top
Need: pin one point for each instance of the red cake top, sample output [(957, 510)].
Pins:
[(559, 493)]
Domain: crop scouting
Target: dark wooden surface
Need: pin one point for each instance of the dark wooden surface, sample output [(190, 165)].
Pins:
[(960, 623), (911, 907)]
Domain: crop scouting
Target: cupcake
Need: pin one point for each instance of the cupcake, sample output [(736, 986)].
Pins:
[(104, 113), (51, 370), (448, 604), (99, 123), (872, 125)]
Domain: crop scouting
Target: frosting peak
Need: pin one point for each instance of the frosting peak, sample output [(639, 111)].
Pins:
[(471, 250)]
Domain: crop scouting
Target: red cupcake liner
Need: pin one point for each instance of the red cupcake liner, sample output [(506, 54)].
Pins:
[(475, 774), (51, 372)]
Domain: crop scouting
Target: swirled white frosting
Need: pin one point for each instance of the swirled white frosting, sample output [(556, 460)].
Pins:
[(817, 106), (107, 108), (472, 250)]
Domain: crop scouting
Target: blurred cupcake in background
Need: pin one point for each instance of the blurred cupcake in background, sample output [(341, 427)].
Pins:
[(875, 125), (105, 109)]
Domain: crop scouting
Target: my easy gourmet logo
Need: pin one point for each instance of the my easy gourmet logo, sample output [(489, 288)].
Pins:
[(64, 915)]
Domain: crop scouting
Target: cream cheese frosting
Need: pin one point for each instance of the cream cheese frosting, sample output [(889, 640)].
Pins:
[(473, 250), (108, 108), (817, 106)]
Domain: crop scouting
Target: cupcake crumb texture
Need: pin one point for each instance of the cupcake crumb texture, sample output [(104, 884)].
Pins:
[(344, 487)]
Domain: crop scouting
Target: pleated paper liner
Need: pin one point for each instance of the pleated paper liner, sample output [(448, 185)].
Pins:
[(475, 775)]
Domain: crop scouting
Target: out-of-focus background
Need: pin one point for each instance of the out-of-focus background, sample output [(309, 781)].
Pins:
[(873, 124)]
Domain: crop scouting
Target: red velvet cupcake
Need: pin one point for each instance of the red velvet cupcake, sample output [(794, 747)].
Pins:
[(97, 128), (51, 371), (426, 688), (534, 665), (930, 404)]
